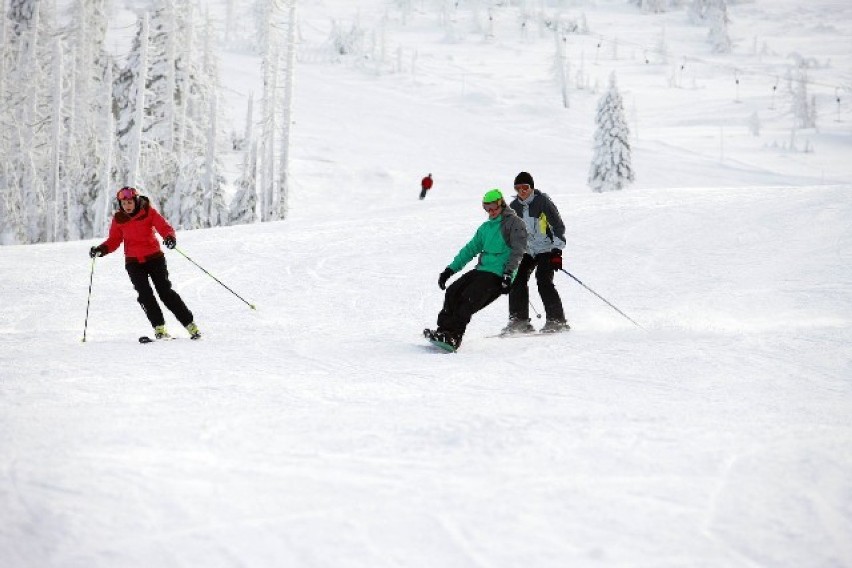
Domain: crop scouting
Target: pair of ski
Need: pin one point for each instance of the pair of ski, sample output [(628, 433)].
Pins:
[(450, 349), (147, 339)]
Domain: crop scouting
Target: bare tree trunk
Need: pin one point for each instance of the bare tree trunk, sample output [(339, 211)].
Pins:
[(229, 19), (211, 165), (561, 62), (54, 226), (136, 145), (266, 166), (32, 210), (72, 161), (169, 110), (270, 147), (103, 207), (287, 115), (249, 131)]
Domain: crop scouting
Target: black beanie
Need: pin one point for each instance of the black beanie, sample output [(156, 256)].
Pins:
[(524, 178)]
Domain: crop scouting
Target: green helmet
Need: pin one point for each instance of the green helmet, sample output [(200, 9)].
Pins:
[(492, 195)]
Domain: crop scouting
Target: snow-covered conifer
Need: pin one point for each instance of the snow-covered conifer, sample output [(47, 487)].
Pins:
[(804, 113), (22, 13), (27, 160), (611, 167), (697, 11), (244, 204), (652, 6), (87, 140), (717, 19)]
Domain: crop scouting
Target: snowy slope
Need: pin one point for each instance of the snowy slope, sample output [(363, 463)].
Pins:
[(320, 430)]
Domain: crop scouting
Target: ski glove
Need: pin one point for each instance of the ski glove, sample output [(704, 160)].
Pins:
[(556, 259), (506, 284), (445, 275), (96, 251), (170, 242)]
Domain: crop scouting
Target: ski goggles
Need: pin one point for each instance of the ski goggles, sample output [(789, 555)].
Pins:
[(494, 206), (126, 193)]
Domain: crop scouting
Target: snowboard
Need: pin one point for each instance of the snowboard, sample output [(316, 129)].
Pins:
[(428, 334), (443, 346)]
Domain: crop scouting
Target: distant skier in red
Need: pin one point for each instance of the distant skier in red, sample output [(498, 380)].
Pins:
[(425, 185)]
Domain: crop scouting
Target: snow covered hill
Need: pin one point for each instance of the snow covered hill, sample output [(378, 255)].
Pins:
[(321, 431)]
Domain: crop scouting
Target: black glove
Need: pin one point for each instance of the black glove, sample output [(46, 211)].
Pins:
[(170, 242), (556, 259), (445, 275), (506, 284), (96, 251)]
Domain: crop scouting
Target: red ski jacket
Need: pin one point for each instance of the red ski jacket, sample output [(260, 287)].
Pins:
[(426, 183), (137, 232)]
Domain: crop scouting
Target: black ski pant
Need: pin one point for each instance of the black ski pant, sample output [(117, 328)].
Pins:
[(519, 295), (156, 270), (423, 193), (466, 296)]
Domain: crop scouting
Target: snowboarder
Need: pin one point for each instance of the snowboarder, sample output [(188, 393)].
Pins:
[(425, 185), (134, 224), (545, 241), (500, 243)]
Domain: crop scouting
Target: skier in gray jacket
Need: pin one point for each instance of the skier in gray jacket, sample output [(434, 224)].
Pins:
[(545, 241)]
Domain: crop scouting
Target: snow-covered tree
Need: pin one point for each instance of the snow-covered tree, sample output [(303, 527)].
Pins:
[(213, 204), (244, 204), (283, 204), (804, 109), (717, 20), (714, 14), (276, 111), (125, 100), (177, 116), (27, 100), (562, 67), (611, 167), (697, 11), (652, 6), (23, 14), (347, 41), (84, 176), (243, 208)]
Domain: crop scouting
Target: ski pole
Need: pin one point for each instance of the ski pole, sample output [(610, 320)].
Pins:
[(601, 297), (216, 279), (89, 300), (538, 315)]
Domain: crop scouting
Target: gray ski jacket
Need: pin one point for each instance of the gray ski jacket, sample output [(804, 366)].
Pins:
[(545, 229)]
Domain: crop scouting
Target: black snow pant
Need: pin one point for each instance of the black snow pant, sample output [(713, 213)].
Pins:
[(156, 270), (466, 296), (519, 295), (423, 192)]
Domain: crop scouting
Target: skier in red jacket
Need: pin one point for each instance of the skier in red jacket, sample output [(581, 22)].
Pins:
[(425, 185), (134, 224)]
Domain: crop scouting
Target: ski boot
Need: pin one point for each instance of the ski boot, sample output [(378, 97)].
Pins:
[(451, 339), (194, 332), (161, 333), (517, 325), (555, 326)]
